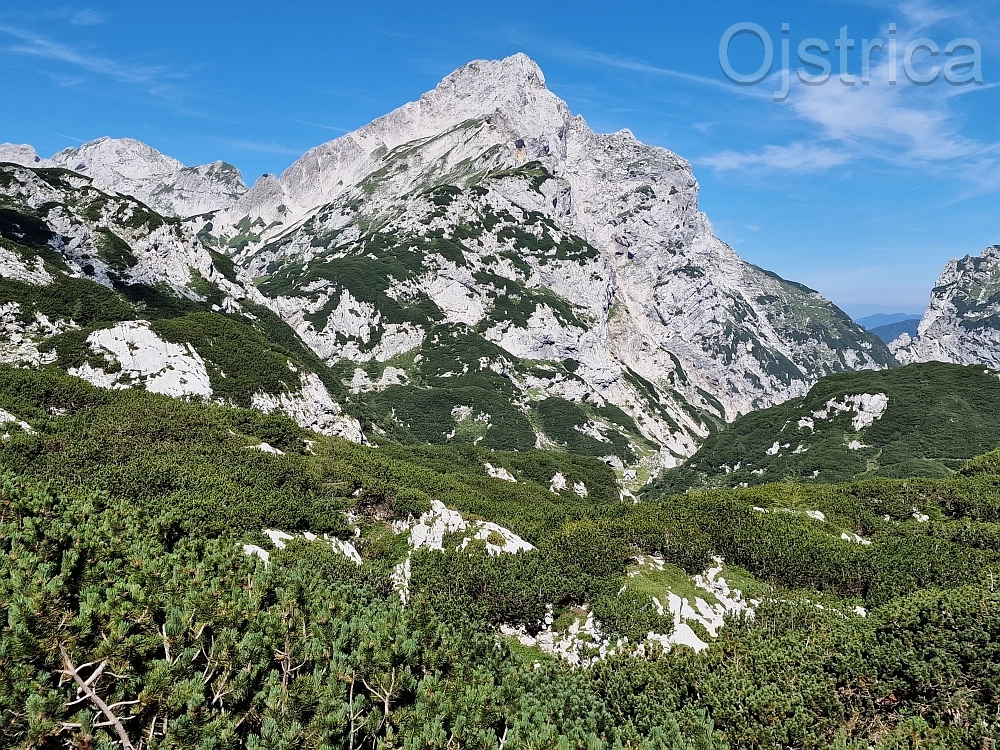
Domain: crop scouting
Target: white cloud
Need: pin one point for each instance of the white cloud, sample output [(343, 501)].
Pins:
[(319, 125), (576, 54), (797, 157), (266, 148), (915, 120), (87, 17), (922, 15), (904, 126)]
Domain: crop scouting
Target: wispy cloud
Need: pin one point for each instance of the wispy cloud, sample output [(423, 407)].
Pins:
[(86, 17), (903, 126), (706, 127), (59, 14), (573, 53), (637, 66), (257, 146), (920, 14), (318, 125), (797, 157), (64, 81), (35, 45), (344, 91)]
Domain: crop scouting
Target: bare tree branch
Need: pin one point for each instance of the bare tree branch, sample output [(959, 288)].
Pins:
[(85, 687)]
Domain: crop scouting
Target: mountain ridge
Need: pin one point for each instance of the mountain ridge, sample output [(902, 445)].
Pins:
[(551, 262), (587, 197), (130, 167), (962, 321)]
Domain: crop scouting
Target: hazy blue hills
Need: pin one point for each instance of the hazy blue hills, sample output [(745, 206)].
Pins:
[(892, 331), (871, 322)]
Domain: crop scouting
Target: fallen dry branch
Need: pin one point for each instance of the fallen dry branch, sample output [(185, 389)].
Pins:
[(86, 688)]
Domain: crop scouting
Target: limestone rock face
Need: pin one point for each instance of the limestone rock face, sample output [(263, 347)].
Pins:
[(121, 296), (500, 197), (527, 281), (962, 321), (130, 167), (22, 154)]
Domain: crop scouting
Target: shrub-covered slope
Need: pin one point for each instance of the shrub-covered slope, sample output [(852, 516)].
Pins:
[(132, 555), (919, 420), (100, 285)]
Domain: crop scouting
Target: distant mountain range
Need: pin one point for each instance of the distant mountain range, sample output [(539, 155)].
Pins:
[(889, 326), (879, 320), (892, 331)]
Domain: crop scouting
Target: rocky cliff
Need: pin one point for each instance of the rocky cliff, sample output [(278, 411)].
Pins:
[(962, 320), (129, 167), (111, 291)]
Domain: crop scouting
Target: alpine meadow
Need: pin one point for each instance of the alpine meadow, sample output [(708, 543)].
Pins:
[(469, 430)]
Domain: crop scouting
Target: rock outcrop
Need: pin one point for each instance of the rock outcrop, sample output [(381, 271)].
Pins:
[(962, 321)]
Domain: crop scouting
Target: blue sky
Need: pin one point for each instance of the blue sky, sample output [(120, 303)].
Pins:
[(863, 193)]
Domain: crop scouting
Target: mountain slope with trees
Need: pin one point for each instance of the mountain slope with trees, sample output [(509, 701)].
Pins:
[(919, 420), (479, 266)]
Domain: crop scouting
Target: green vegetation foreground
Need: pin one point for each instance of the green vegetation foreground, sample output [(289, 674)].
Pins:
[(122, 521)]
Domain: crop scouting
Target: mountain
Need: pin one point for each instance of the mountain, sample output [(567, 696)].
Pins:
[(918, 420), (878, 320), (892, 331), (101, 286), (129, 167), (479, 266), (962, 320), (484, 238), (23, 154)]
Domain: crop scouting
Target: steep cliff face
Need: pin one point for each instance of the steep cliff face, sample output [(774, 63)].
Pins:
[(962, 320), (487, 196)]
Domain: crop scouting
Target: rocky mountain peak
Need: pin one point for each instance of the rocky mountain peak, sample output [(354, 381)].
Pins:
[(962, 321), (111, 160), (512, 89), (19, 153), (505, 82), (508, 95), (130, 167)]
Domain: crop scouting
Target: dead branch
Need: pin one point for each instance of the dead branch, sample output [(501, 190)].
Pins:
[(85, 686)]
